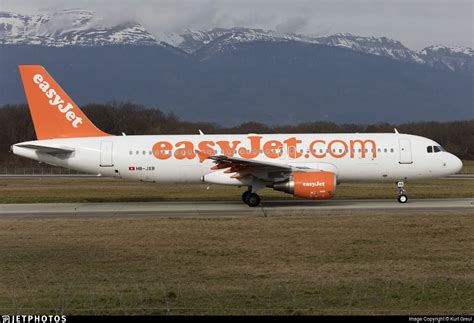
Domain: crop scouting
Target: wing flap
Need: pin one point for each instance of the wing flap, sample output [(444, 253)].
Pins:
[(244, 167), (241, 163)]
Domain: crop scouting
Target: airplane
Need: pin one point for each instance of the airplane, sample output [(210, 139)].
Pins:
[(308, 166)]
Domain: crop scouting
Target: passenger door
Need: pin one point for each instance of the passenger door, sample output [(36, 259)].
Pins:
[(405, 151)]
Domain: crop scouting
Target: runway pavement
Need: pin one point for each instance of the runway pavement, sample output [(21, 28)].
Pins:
[(227, 208)]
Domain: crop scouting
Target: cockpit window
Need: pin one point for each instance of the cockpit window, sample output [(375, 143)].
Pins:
[(434, 149)]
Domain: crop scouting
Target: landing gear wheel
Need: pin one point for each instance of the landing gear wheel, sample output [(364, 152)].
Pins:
[(252, 200), (402, 198), (244, 196)]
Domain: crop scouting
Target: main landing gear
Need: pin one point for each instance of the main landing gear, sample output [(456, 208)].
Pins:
[(251, 199), (402, 198)]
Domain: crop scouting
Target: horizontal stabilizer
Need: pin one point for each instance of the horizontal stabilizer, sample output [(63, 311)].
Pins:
[(47, 149)]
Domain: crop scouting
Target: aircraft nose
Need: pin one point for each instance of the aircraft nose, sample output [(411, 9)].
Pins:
[(456, 164)]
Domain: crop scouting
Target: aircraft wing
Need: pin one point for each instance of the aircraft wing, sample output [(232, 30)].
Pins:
[(238, 164), (242, 165), (47, 149), (265, 170)]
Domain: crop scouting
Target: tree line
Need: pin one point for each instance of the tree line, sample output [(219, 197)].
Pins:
[(16, 126)]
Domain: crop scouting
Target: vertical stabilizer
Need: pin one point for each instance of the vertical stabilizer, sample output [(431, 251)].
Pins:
[(53, 112)]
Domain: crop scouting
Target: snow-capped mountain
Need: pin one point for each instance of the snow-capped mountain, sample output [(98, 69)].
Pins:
[(191, 41), (69, 27), (457, 59), (380, 46), (451, 57), (237, 74), (83, 28)]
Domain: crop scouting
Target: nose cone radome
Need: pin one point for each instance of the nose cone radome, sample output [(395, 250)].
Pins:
[(456, 164)]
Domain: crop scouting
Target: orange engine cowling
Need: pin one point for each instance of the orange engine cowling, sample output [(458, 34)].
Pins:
[(309, 185)]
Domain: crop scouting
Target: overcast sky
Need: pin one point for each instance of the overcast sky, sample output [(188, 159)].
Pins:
[(416, 23)]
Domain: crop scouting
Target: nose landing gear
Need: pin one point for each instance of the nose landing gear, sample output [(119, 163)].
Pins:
[(402, 198)]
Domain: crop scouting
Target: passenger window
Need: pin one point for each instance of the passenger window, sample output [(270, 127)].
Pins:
[(429, 149), (391, 150)]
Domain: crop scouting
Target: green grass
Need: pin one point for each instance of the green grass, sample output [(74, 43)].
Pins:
[(468, 167), (379, 262), (44, 190)]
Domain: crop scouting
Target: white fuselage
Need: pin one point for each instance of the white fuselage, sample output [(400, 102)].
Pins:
[(173, 158)]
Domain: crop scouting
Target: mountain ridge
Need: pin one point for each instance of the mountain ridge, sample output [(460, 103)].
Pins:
[(232, 75), (78, 27), (270, 82)]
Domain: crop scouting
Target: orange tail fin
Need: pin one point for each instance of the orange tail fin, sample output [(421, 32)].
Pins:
[(54, 114)]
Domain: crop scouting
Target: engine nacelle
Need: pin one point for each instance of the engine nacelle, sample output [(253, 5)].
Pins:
[(309, 185)]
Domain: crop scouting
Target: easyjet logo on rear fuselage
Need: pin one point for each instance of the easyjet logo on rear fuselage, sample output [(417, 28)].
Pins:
[(270, 148), (56, 101)]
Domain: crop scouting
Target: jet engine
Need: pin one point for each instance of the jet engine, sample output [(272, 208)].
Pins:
[(309, 185)]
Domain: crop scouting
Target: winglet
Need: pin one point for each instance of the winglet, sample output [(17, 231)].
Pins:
[(53, 112)]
